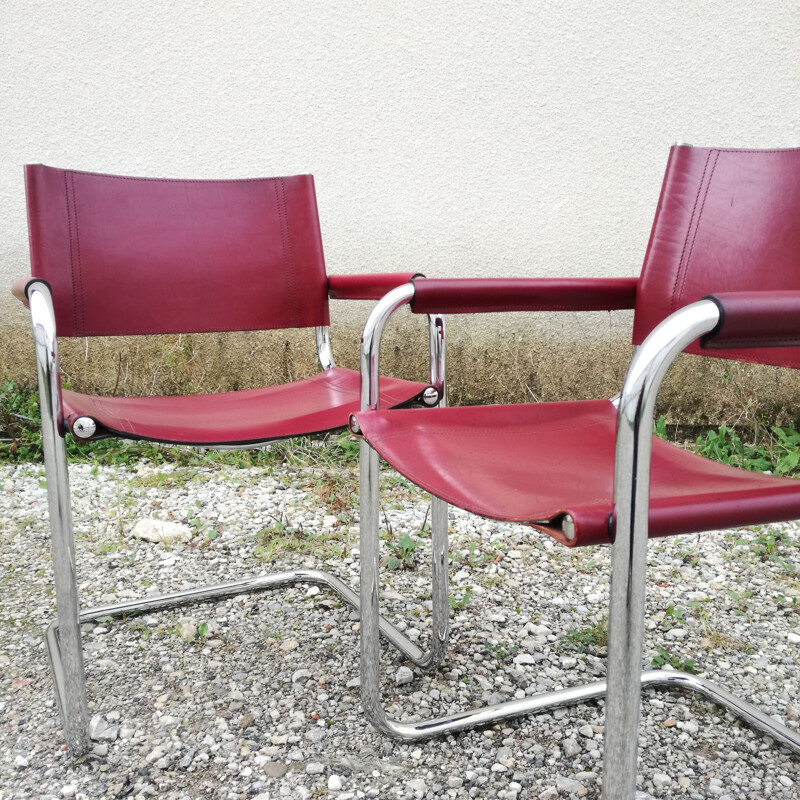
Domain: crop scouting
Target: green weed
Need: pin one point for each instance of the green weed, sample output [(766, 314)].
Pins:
[(403, 555), (589, 639), (502, 651), (462, 601), (281, 538), (777, 449), (770, 545), (673, 617), (110, 547), (477, 553), (20, 436), (664, 657), (739, 600)]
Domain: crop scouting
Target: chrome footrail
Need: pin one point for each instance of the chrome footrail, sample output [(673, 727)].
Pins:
[(62, 676)]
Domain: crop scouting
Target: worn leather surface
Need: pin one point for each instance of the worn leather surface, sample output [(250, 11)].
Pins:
[(319, 403), (366, 287), (482, 295), (139, 255), (755, 319), (539, 461), (727, 221)]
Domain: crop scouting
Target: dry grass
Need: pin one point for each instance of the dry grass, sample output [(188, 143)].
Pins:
[(487, 363)]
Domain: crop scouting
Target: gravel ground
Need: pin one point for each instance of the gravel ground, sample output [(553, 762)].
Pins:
[(257, 696)]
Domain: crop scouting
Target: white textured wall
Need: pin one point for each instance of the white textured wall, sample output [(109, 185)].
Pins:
[(461, 138)]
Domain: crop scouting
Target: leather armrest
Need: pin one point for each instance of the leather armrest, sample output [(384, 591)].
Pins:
[(483, 295), (755, 319), (19, 290), (366, 287)]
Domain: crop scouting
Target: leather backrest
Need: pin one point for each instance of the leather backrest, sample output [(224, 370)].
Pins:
[(140, 255), (727, 221)]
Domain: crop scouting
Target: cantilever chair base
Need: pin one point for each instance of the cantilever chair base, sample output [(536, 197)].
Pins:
[(204, 593), (563, 698)]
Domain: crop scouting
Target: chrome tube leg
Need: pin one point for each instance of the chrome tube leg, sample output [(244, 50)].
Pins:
[(626, 624), (68, 675), (436, 342), (625, 635), (71, 679), (370, 645), (369, 590), (440, 616), (439, 509), (629, 554)]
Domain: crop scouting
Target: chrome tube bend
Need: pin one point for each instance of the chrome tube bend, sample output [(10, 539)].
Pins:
[(322, 334), (629, 553), (72, 697), (371, 342)]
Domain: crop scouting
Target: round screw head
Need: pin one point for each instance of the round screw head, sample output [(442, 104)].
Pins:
[(430, 396), (84, 427)]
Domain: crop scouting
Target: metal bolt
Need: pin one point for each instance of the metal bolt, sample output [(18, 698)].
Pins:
[(84, 427), (430, 396)]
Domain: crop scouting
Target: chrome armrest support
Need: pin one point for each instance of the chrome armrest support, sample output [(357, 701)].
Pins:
[(436, 394), (629, 556), (371, 343), (324, 351)]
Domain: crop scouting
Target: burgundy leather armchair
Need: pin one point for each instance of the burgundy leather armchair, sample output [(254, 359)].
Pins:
[(721, 277), (114, 255)]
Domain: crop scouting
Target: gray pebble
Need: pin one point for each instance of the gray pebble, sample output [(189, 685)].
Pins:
[(268, 695), (403, 676)]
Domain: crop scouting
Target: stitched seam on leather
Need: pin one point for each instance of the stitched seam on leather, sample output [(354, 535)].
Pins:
[(71, 259), (759, 152), (173, 180), (452, 307), (293, 273), (78, 251), (281, 211), (673, 298), (754, 342), (699, 218)]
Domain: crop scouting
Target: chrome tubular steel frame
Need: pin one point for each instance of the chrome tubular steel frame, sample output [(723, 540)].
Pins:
[(72, 691), (369, 502), (322, 333), (63, 635), (626, 618)]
